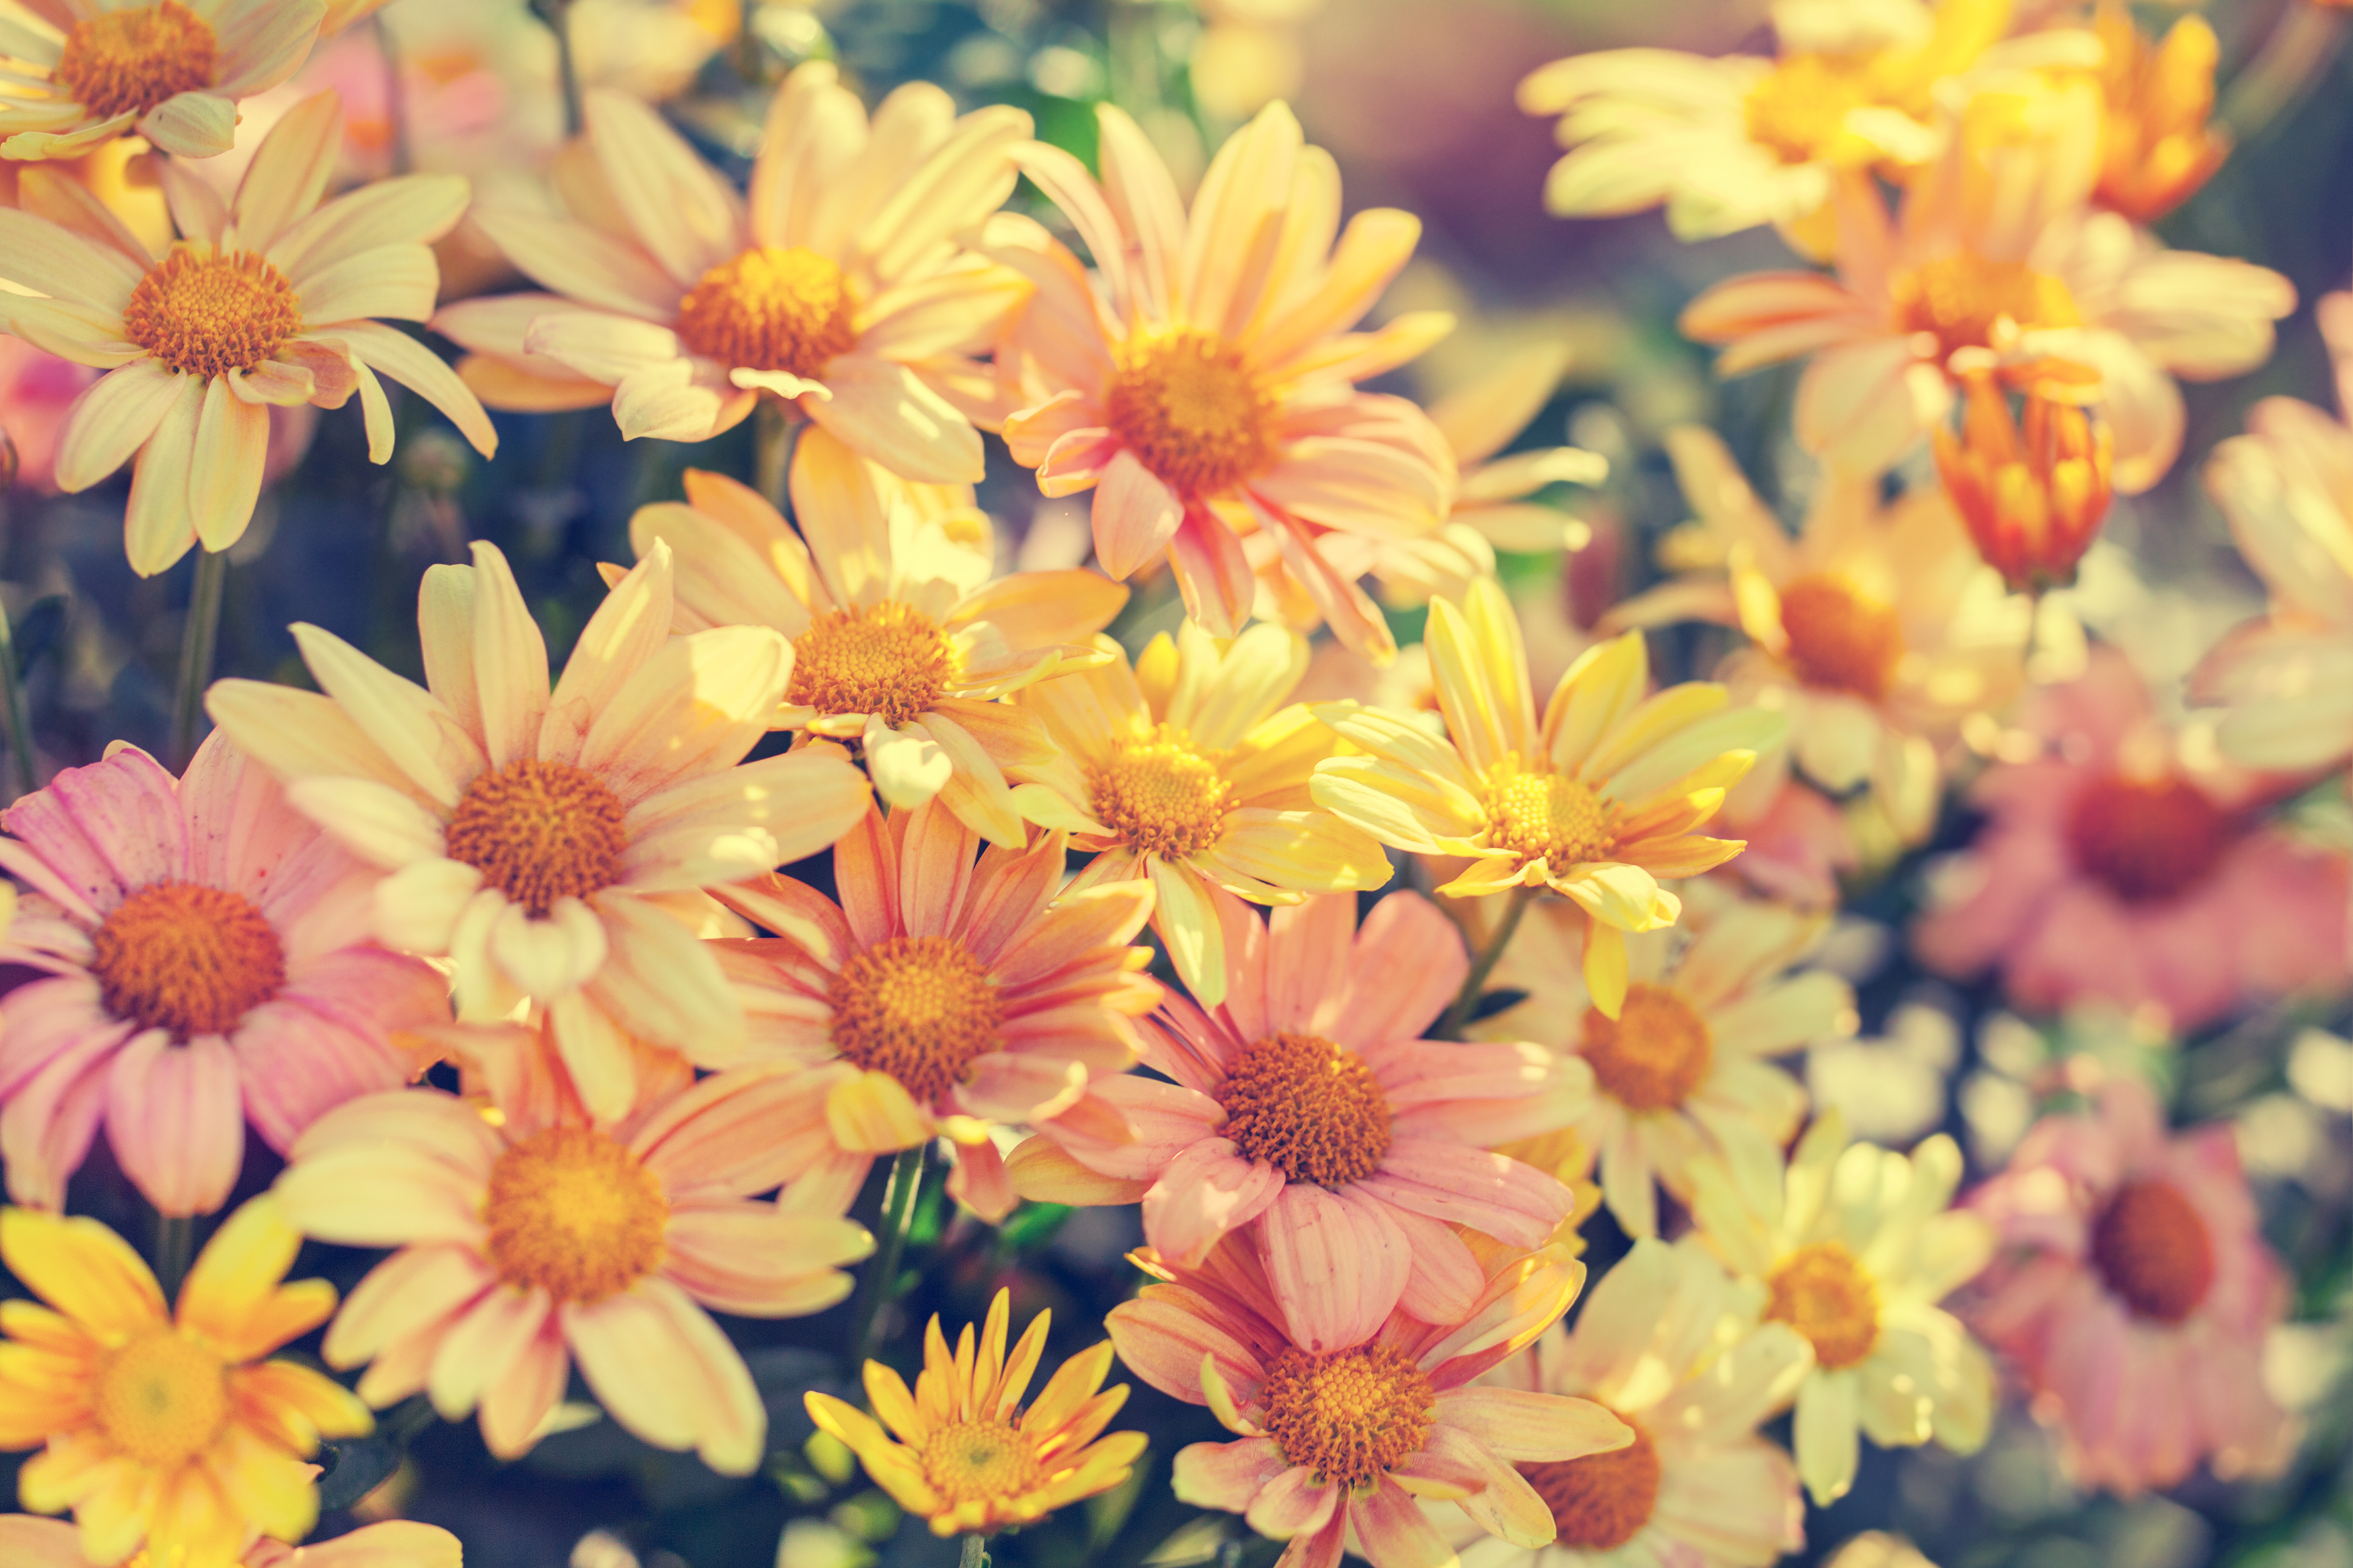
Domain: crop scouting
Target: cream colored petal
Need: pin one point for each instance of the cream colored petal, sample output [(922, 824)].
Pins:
[(159, 526), (232, 448), (290, 170), (381, 825), (682, 212), (420, 736), (112, 420), (698, 704), (410, 210), (422, 370), (582, 263)]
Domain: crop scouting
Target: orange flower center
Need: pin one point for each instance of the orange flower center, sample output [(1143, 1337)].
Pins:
[(1798, 111), (1654, 1053), (1599, 1501), (573, 1212), (771, 309), (889, 659), (980, 1461), (1841, 638), (1823, 1292), (1351, 1415), (539, 832), (161, 1398), (2153, 1250), (2148, 840), (920, 1008), (187, 958), (1160, 796), (207, 313), (1964, 301), (1191, 411), (1547, 816), (127, 62), (1307, 1106)]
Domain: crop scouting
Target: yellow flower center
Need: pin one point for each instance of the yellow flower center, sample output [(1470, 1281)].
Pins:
[(572, 1210), (161, 1398), (1350, 1416), (187, 958), (1841, 638), (1823, 1292), (889, 659), (1307, 1106), (1599, 1501), (2153, 1252), (539, 832), (127, 62), (920, 1008), (771, 309), (980, 1461), (1191, 411), (1968, 302), (207, 313), (1798, 111), (2148, 840), (1654, 1053), (1161, 796), (1547, 816)]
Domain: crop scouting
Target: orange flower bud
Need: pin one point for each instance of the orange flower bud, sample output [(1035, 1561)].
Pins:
[(2156, 146), (2032, 498)]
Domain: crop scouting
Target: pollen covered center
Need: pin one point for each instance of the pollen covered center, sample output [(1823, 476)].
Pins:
[(1309, 1107), (207, 312), (1654, 1053), (572, 1210), (1840, 637), (980, 1461), (187, 958), (540, 831), (1191, 411), (2154, 1251), (1968, 302), (1600, 1502), (771, 309), (920, 1008), (1161, 796), (2148, 840), (161, 1397), (128, 62), (1547, 816), (889, 659), (1823, 1293), (1798, 111), (1351, 1415)]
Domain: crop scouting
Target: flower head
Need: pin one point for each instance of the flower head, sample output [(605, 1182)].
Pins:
[(2157, 146), (2033, 500), (29, 1542)]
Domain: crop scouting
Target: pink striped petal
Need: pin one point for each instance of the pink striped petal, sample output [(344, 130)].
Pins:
[(108, 828), (176, 1120), (1293, 1503), (1226, 1475), (1395, 1532), (295, 1066), (1202, 1194), (1337, 1262), (1407, 966), (1513, 1203), (1447, 1278), (518, 1399)]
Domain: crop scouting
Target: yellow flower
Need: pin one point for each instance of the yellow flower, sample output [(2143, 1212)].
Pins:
[(160, 1428), (968, 1458)]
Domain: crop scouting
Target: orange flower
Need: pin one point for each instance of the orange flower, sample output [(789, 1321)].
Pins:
[(2033, 500), (2156, 146)]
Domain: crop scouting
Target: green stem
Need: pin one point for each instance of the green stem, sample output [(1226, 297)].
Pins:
[(395, 95), (774, 433), (1466, 1001), (13, 712), (557, 14), (975, 1552), (175, 1246), (2297, 53), (197, 640), (882, 1273)]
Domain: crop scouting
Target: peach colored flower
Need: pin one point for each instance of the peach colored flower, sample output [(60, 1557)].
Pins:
[(29, 1542), (1799, 843)]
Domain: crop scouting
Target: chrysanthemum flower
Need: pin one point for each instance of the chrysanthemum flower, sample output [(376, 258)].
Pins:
[(270, 300), (552, 846), (2157, 144), (2133, 1293), (1339, 1442), (1190, 773), (29, 1542), (939, 997), (1855, 1248), (1598, 803), (1208, 389), (531, 1238), (208, 962), (903, 639), (967, 1457), (166, 1427), (841, 287)]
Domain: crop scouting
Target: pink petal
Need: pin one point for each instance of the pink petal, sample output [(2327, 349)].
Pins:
[(518, 1400), (1407, 966), (108, 828), (1162, 1335), (1165, 1118), (1212, 573), (1226, 1475), (1135, 515), (981, 1183), (1395, 1532), (49, 1120), (1308, 957), (1446, 1279), (1337, 1262), (1202, 1194), (1513, 1203), (1293, 1503), (176, 1120), (295, 1066)]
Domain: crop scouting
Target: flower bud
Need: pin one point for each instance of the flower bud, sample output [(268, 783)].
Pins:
[(2030, 498), (2156, 146)]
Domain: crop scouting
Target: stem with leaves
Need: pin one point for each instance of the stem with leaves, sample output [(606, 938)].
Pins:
[(197, 640), (882, 1273), (1466, 1001)]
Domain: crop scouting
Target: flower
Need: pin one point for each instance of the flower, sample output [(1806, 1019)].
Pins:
[(268, 299), (2157, 147), (37, 390), (1189, 772), (2134, 1292), (2032, 501), (1204, 393), (939, 996), (552, 846), (901, 642), (2119, 862), (206, 960), (968, 1458), (530, 1238), (841, 287), (28, 1542), (167, 1429), (1306, 1113), (1598, 804), (1855, 1248)]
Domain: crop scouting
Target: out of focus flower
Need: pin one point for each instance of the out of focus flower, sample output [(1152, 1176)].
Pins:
[(967, 1456), (167, 1429), (28, 1542), (1798, 842), (1247, 55), (2133, 1294), (2155, 144), (2032, 500), (36, 390)]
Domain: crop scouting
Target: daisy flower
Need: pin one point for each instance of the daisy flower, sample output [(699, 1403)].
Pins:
[(1855, 1248), (966, 1457), (2133, 1293), (167, 1429), (552, 846), (903, 638), (839, 287), (1598, 805), (28, 1542), (1206, 389), (270, 298), (206, 959), (530, 1237), (939, 997)]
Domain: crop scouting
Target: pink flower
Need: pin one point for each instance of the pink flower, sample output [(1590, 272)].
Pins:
[(210, 963), (36, 389), (2134, 1293)]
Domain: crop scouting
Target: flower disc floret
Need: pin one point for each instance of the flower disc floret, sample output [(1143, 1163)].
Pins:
[(2153, 1251), (1160, 795), (1601, 1502), (540, 831), (980, 1461), (1823, 1292), (1310, 1108), (1965, 301), (161, 1397), (1799, 110), (130, 60), (771, 309), (573, 1212), (1841, 638), (203, 312), (889, 659), (920, 1008), (2148, 840), (184, 957), (1654, 1053), (1191, 411), (1543, 815), (1351, 1415)]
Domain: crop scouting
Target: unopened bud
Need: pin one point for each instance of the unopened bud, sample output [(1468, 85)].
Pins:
[(2031, 498)]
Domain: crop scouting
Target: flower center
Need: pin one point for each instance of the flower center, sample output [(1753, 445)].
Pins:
[(1968, 302), (1654, 1053), (1599, 1501), (127, 62), (980, 1461), (187, 958), (770, 309), (920, 1008), (572, 1210), (1191, 411), (161, 1398), (539, 832), (2153, 1250), (1798, 111), (1547, 816), (1160, 796), (207, 313), (1840, 638), (1351, 1415), (1308, 1107), (2149, 841), (1823, 1292), (889, 659)]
